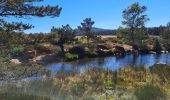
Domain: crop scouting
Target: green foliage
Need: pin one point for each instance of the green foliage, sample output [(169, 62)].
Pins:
[(166, 32), (86, 28), (95, 82), (166, 37), (23, 8), (91, 53), (70, 56), (150, 92), (122, 32), (15, 96), (162, 71), (20, 71), (65, 35), (78, 89), (134, 19), (157, 46), (17, 50)]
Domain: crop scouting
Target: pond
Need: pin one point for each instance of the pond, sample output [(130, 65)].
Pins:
[(111, 63)]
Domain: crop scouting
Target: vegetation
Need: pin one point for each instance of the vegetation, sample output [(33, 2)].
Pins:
[(86, 27), (10, 71), (124, 84), (157, 46), (70, 56), (150, 92), (65, 35), (135, 20), (23, 55)]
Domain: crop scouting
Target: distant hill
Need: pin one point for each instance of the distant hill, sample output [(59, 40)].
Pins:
[(99, 31)]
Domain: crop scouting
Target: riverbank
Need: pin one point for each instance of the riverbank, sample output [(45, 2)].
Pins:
[(97, 83)]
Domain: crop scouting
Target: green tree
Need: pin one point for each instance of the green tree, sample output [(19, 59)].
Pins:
[(22, 9), (65, 35), (166, 37), (157, 46), (134, 19), (86, 28), (11, 33), (121, 32)]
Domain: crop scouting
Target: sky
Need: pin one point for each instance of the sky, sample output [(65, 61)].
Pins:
[(107, 14)]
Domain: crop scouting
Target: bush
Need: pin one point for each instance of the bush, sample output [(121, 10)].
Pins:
[(157, 46), (20, 71), (162, 71), (17, 50), (150, 92), (15, 96), (91, 53), (70, 56), (79, 50)]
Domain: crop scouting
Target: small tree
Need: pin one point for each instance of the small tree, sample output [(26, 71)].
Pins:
[(157, 46), (134, 19), (65, 35), (86, 28), (166, 37), (121, 32)]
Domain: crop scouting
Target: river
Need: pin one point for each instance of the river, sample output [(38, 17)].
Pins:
[(111, 63)]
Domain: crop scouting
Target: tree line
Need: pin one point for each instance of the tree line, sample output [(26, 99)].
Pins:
[(11, 34)]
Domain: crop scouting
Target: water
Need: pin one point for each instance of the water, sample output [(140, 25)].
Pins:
[(112, 63)]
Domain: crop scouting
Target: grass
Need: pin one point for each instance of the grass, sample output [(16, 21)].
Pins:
[(123, 84), (10, 71), (150, 92), (70, 56)]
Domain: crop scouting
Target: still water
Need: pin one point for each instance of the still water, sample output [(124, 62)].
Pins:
[(111, 63)]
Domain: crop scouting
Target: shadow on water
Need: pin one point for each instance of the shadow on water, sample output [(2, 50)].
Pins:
[(112, 63)]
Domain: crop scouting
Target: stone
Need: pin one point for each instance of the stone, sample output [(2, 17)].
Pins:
[(16, 61)]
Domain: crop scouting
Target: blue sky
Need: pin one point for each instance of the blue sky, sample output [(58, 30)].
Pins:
[(106, 13)]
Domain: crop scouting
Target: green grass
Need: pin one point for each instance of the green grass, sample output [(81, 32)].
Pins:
[(150, 92), (69, 56), (124, 83)]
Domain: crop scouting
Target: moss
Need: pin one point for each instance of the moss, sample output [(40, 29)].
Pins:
[(70, 56)]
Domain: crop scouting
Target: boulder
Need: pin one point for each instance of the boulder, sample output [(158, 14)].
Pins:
[(119, 51), (15, 61)]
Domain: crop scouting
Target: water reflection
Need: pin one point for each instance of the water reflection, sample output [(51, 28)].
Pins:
[(112, 63)]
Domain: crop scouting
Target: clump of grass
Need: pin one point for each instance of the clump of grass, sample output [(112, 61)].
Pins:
[(14, 96), (70, 56), (10, 71), (150, 92)]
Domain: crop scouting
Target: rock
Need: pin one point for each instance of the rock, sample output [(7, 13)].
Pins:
[(119, 51), (16, 61), (79, 50), (38, 58), (152, 52)]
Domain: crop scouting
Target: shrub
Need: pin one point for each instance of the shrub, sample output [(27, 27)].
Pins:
[(162, 71), (70, 56), (91, 53), (15, 96), (17, 50), (157, 46), (79, 50), (150, 92)]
